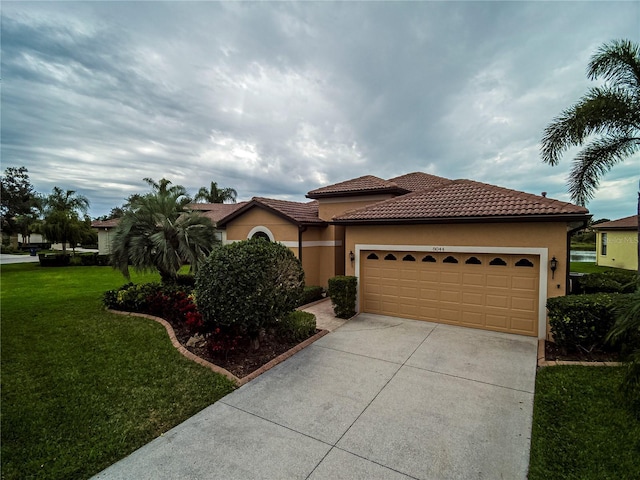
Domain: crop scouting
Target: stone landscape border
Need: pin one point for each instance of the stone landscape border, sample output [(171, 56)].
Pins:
[(543, 362), (201, 361)]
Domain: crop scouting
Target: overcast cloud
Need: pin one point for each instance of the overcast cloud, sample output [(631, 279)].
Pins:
[(277, 99)]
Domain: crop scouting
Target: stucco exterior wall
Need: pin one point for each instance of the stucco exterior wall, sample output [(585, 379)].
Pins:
[(105, 237), (330, 207), (551, 236), (318, 243), (622, 249)]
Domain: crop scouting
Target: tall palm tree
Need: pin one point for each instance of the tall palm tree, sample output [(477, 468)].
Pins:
[(62, 216), (611, 113), (157, 234), (216, 195)]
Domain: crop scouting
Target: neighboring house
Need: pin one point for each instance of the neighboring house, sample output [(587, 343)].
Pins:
[(105, 230), (426, 247), (617, 243)]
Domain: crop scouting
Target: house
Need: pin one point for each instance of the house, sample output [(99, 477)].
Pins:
[(105, 230), (426, 247), (617, 243)]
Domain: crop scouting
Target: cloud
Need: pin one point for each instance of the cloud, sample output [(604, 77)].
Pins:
[(276, 99)]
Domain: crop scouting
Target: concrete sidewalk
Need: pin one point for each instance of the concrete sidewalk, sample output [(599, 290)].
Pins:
[(379, 397)]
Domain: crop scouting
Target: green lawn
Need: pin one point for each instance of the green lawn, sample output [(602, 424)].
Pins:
[(82, 388), (589, 267), (580, 430)]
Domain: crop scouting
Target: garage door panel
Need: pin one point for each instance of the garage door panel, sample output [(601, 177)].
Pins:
[(501, 297)]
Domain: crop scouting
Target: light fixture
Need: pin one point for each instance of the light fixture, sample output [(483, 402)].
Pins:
[(352, 257), (554, 266)]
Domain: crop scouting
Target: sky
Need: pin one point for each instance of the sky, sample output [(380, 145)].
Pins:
[(276, 99)]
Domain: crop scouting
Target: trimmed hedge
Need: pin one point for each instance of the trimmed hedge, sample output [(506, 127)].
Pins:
[(581, 322), (54, 259), (311, 294), (342, 291), (609, 282), (248, 285), (297, 326)]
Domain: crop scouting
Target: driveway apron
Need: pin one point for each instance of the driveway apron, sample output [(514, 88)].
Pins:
[(380, 397)]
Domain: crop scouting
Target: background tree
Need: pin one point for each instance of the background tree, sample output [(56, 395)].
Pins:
[(156, 233), (215, 194), (17, 197), (64, 217)]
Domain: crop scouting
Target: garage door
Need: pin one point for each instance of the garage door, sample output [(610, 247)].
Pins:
[(488, 291)]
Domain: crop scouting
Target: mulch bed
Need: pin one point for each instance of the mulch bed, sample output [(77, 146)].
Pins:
[(554, 352), (243, 359)]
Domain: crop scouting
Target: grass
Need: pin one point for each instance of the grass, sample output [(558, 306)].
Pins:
[(590, 267), (581, 429), (82, 388)]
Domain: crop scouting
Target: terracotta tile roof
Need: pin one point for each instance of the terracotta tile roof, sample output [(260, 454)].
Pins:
[(460, 199), (414, 182), (367, 184), (296, 211), (215, 211), (112, 223), (626, 223)]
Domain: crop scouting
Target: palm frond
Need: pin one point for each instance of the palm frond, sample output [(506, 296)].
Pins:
[(594, 161), (609, 111), (617, 62)]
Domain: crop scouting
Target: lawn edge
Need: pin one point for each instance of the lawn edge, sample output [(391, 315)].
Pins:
[(212, 366)]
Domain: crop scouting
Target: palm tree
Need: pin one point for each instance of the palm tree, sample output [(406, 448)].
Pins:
[(610, 112), (157, 234), (215, 194), (62, 217), (162, 188)]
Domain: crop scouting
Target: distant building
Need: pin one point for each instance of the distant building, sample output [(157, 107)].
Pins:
[(617, 243)]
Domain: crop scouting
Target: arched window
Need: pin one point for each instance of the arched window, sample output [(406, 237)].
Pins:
[(523, 262), (473, 261), (372, 256), (429, 259), (261, 235), (390, 256), (498, 261), (408, 258), (450, 259)]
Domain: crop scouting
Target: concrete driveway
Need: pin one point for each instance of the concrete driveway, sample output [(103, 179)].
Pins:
[(380, 397)]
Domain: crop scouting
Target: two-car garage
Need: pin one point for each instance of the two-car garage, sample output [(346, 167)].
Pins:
[(493, 291)]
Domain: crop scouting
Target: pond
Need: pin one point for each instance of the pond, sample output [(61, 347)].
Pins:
[(583, 256)]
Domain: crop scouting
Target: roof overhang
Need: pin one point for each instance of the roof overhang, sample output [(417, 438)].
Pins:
[(257, 204), (358, 193), (568, 218)]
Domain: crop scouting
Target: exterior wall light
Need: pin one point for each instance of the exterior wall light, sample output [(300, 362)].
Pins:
[(352, 257), (554, 266)]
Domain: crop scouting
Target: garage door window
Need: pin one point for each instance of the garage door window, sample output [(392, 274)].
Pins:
[(390, 256), (372, 256), (429, 259), (498, 261), (523, 262), (408, 258), (473, 261), (450, 259)]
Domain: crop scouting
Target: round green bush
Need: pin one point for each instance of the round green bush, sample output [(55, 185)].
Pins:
[(248, 285)]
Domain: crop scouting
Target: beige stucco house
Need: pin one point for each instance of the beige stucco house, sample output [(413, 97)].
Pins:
[(617, 243), (426, 247)]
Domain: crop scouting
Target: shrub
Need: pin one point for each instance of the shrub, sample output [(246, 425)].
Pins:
[(609, 282), (54, 259), (342, 291), (131, 297), (103, 260), (297, 326), (581, 322), (311, 294), (248, 285)]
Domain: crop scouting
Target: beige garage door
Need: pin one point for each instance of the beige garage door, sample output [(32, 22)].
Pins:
[(488, 291)]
